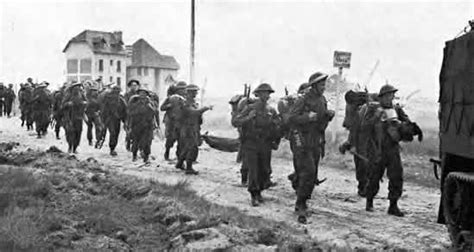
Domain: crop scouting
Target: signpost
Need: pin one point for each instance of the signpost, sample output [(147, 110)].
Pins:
[(341, 60)]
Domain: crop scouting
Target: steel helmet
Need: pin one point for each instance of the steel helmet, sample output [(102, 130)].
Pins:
[(192, 87), (385, 89), (317, 77), (264, 87)]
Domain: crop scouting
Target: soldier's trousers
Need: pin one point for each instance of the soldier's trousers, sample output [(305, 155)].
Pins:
[(391, 161), (73, 133), (306, 161), (58, 120), (141, 139), (41, 119), (95, 122), (257, 158), (1, 107), (113, 126), (8, 107), (171, 134), (188, 143)]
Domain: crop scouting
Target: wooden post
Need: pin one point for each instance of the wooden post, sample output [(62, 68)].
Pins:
[(191, 70), (336, 110)]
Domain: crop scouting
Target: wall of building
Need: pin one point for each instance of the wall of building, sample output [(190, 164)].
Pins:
[(109, 71), (163, 87), (79, 53), (83, 53)]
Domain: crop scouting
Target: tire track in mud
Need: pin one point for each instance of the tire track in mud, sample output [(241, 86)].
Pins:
[(337, 212)]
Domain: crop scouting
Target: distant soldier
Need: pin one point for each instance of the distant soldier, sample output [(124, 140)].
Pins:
[(58, 97), (172, 106), (94, 119), (73, 109), (141, 121), (9, 98), (190, 121), (235, 110), (310, 116), (2, 98), (133, 85), (41, 104), (25, 96), (385, 150), (260, 134), (113, 110)]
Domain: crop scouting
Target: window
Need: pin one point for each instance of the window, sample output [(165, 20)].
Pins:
[(72, 66), (72, 78), (139, 71), (145, 71), (85, 77), (101, 65), (86, 65), (111, 62), (119, 67), (118, 81), (111, 79)]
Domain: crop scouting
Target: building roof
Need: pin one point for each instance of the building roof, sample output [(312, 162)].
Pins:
[(144, 55), (100, 42)]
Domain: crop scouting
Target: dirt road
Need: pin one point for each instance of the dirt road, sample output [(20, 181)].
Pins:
[(338, 215)]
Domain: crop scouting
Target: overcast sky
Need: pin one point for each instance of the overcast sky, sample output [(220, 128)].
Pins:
[(280, 42)]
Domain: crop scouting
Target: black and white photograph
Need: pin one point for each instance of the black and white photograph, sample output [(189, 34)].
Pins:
[(237, 125)]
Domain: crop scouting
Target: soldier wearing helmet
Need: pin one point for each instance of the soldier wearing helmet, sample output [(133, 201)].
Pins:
[(172, 106), (113, 110), (190, 120), (73, 108), (260, 134), (386, 155), (310, 117), (94, 119)]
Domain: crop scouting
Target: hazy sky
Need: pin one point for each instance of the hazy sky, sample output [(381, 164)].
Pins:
[(280, 42)]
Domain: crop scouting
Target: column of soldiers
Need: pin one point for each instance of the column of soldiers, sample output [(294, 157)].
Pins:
[(375, 131), (303, 118)]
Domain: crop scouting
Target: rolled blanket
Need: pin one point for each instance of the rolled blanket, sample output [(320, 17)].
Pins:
[(222, 143)]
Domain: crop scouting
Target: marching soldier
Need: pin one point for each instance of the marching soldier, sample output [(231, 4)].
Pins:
[(25, 95), (94, 119), (2, 95), (9, 98), (172, 107), (260, 134), (310, 116), (133, 85), (41, 104), (113, 110), (58, 97), (386, 149), (190, 121), (141, 120), (73, 106)]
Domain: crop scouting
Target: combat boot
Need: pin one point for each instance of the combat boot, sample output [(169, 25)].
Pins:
[(180, 164), (259, 197), (90, 142), (394, 210), (134, 157), (189, 168), (146, 159), (113, 153), (369, 205), (167, 154), (253, 199)]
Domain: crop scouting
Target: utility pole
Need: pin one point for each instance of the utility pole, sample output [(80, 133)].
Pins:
[(191, 70)]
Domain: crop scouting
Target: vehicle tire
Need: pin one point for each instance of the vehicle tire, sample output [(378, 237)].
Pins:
[(452, 203)]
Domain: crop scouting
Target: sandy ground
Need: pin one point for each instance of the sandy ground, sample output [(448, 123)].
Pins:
[(338, 214)]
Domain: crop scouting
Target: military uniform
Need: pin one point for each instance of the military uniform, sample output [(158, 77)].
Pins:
[(234, 102), (260, 134), (94, 120), (73, 108), (131, 92), (58, 97), (113, 110), (141, 114), (25, 95), (385, 154), (2, 96), (172, 107), (41, 104), (310, 117), (190, 120), (9, 98)]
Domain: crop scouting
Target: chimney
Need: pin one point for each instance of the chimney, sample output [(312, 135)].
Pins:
[(129, 50), (118, 36)]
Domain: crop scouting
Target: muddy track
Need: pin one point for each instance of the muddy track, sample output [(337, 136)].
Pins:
[(338, 214)]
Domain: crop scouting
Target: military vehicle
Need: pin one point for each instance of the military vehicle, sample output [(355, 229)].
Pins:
[(456, 136)]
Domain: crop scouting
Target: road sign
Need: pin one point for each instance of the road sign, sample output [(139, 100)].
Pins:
[(342, 59)]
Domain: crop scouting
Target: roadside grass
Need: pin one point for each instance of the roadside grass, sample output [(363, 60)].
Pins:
[(77, 205)]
